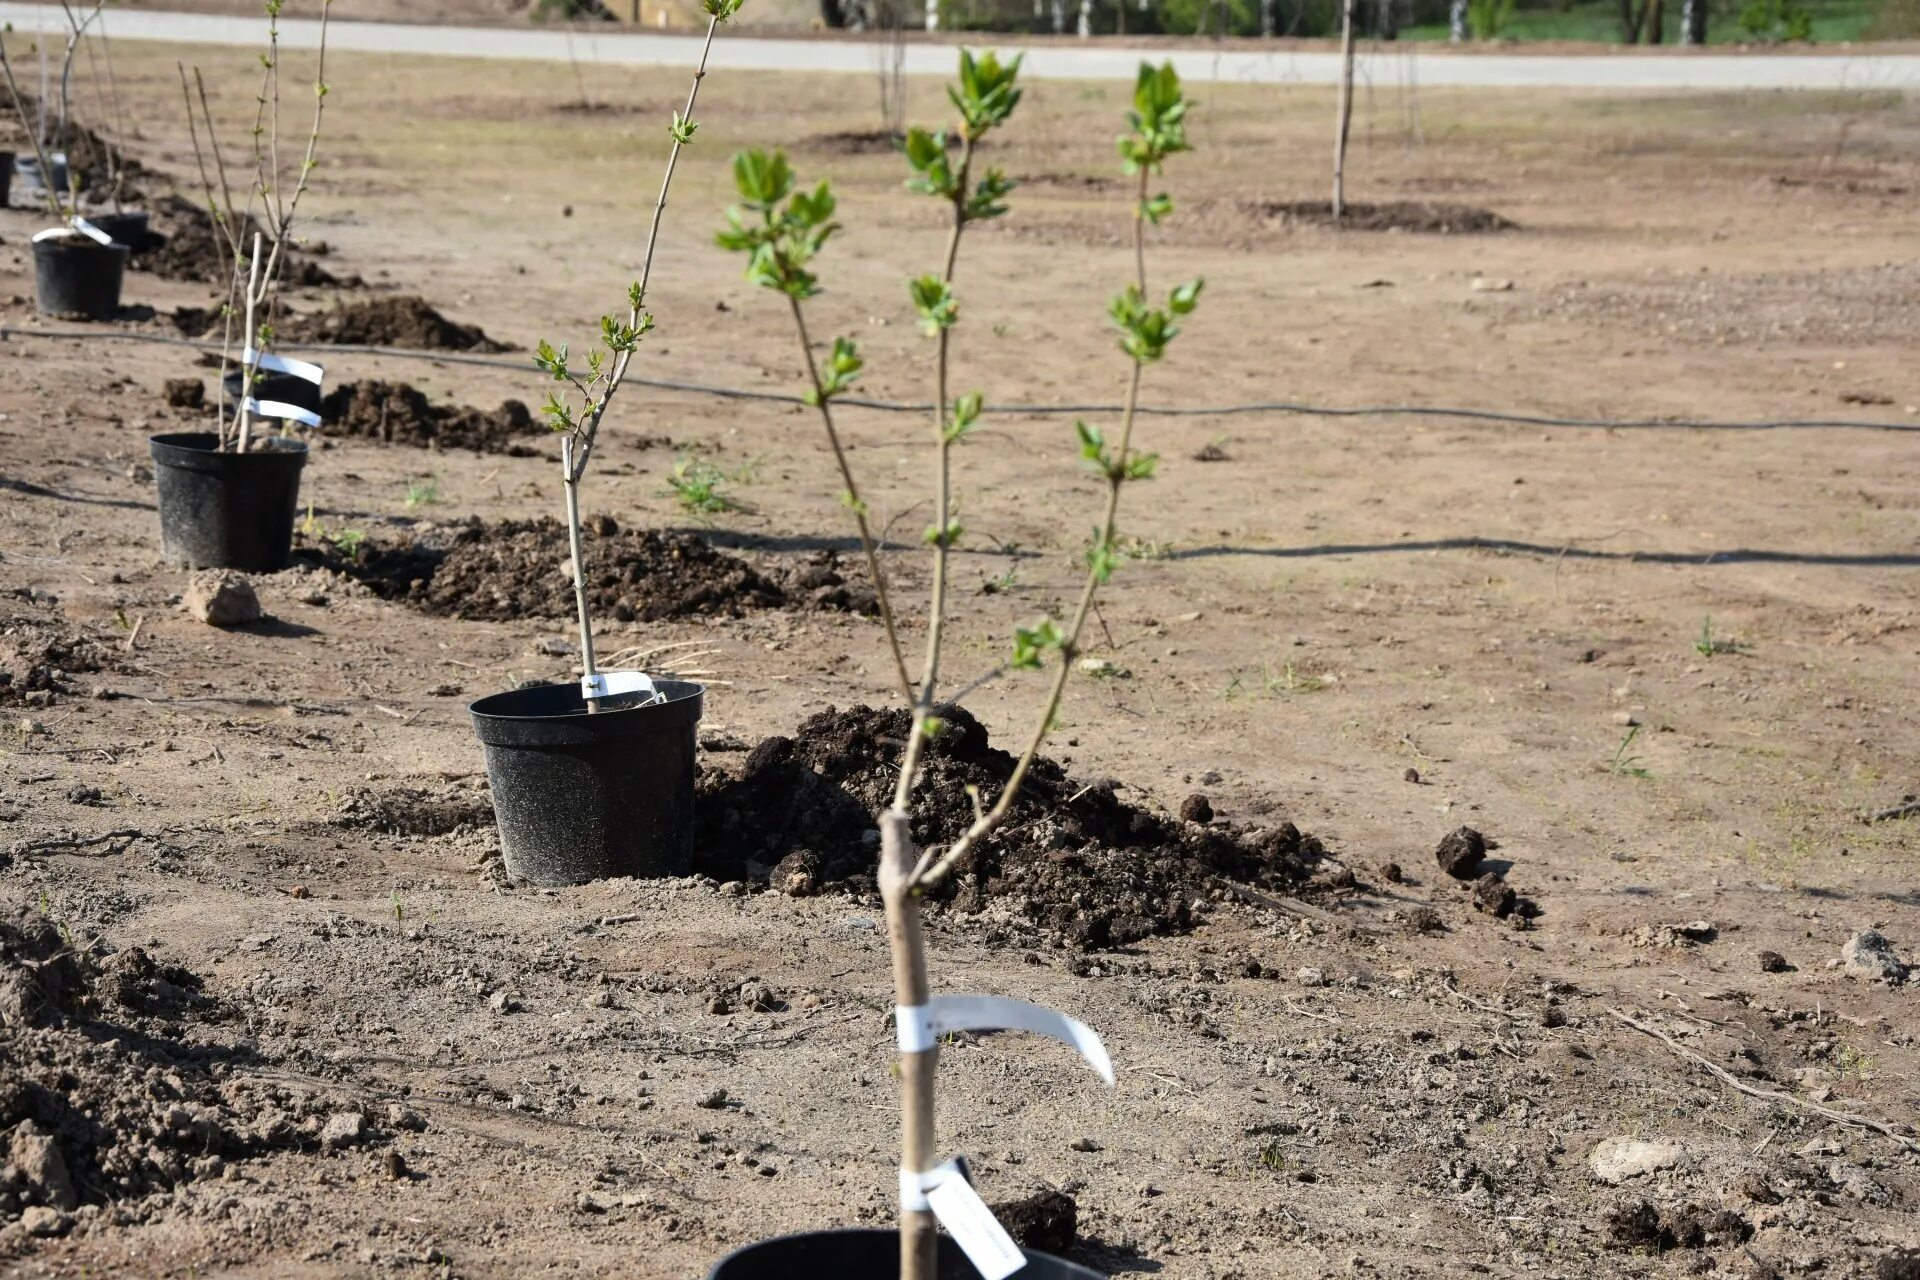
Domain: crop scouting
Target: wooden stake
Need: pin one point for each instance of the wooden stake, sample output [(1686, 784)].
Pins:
[(897, 858)]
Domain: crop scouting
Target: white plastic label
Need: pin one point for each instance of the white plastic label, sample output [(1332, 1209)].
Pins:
[(946, 1191), (86, 228), (918, 1027), (281, 409), (608, 684), (80, 225), (305, 371)]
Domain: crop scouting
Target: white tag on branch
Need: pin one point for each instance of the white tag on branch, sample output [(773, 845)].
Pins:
[(946, 1191), (918, 1028), (87, 229), (610, 684), (281, 409), (267, 360)]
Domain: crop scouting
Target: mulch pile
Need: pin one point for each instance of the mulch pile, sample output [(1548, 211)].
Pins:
[(1419, 216), (406, 321), (1074, 857), (397, 413)]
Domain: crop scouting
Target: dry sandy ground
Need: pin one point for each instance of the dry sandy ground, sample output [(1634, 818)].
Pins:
[(1338, 606)]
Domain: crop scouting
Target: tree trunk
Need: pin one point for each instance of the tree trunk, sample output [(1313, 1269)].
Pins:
[(910, 990), (1345, 110), (1059, 16), (1266, 18), (1085, 26), (933, 15), (1457, 22), (1693, 22), (1654, 22), (1629, 23)]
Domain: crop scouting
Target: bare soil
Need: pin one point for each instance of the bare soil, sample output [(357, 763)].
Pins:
[(1664, 674), (1422, 217)]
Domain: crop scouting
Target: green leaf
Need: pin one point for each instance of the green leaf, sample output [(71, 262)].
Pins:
[(1185, 297), (762, 178), (1031, 644), (1102, 558), (1155, 208), (966, 413), (935, 536), (1142, 466), (842, 365), (1093, 445), (933, 299), (681, 130)]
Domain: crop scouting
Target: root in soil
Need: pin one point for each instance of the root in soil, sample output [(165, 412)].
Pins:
[(397, 413), (519, 569), (1073, 858), (406, 321), (1426, 217)]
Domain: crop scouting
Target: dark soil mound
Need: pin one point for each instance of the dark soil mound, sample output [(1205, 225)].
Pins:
[(406, 321), (854, 142), (396, 413), (101, 1097), (1420, 216), (87, 157), (518, 569), (414, 811), (190, 250), (1073, 857)]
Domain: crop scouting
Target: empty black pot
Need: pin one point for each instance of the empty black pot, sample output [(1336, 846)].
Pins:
[(78, 276), (129, 227), (6, 179), (27, 168), (226, 510), (281, 387), (582, 797), (866, 1255)]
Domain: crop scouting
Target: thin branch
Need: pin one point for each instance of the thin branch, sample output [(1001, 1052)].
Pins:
[(868, 547), (1769, 1095), (931, 869)]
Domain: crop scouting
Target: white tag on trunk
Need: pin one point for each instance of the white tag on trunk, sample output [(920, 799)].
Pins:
[(917, 1028), (609, 684), (959, 1208), (281, 409), (974, 1228), (302, 369)]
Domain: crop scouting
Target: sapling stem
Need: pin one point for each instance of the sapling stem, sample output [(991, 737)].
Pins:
[(908, 947), (572, 483), (620, 340), (250, 362)]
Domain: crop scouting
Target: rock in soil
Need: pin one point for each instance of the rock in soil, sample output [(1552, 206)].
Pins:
[(1771, 962), (1073, 858), (1460, 853), (1046, 1221), (1619, 1158), (396, 413), (221, 598), (1869, 955), (405, 321)]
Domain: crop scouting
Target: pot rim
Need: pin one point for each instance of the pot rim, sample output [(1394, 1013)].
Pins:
[(284, 445), (495, 725), (946, 1241)]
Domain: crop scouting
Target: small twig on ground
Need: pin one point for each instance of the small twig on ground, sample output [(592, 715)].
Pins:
[(1294, 907), (1909, 808), (129, 835), (1482, 1005), (1769, 1095)]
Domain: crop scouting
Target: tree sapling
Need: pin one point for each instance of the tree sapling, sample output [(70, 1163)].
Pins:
[(587, 394), (782, 227)]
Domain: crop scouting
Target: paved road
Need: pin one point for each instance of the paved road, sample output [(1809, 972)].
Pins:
[(1431, 66)]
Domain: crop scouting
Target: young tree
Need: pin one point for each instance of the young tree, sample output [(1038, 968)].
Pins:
[(1343, 110), (587, 395), (782, 227)]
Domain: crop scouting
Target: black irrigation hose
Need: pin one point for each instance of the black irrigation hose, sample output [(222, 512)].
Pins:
[(1030, 410)]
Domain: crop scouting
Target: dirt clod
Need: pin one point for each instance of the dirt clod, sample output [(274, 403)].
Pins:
[(1074, 858), (407, 321), (1771, 962), (186, 393), (1197, 808), (189, 249), (1460, 853), (396, 413), (1494, 896), (221, 598), (1046, 1221)]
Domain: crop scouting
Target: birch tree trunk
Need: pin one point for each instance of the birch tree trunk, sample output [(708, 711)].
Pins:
[(1345, 110), (1457, 22), (1693, 22)]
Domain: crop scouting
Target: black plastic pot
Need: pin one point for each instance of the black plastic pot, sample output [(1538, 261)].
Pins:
[(866, 1255), (6, 178), (27, 167), (78, 276), (281, 387), (130, 227), (583, 797), (226, 510)]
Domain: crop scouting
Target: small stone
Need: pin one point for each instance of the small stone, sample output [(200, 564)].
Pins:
[(1197, 808), (1460, 853), (44, 1222), (502, 1003), (1488, 284), (760, 998), (715, 1101), (343, 1129), (83, 795), (185, 393), (1869, 955), (394, 1165), (35, 1155), (221, 598), (601, 999), (1413, 776), (798, 875), (1771, 962), (1619, 1158), (1084, 1144), (1308, 976), (1392, 873), (407, 1118), (1425, 920)]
